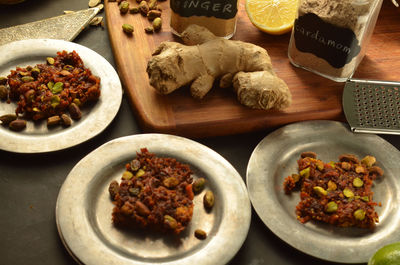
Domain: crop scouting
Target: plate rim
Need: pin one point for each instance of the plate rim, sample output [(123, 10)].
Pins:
[(295, 236), (209, 249), (18, 142)]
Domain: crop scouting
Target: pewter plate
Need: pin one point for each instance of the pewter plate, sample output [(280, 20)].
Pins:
[(37, 137), (83, 210), (275, 158)]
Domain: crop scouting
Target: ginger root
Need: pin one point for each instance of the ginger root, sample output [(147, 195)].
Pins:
[(244, 65)]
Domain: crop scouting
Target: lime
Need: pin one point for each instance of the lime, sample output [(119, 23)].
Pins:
[(387, 255)]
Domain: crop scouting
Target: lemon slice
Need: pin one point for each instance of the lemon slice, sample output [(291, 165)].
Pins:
[(272, 16)]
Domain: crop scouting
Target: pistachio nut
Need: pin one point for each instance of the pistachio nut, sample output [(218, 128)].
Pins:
[(200, 234), (149, 30), (358, 183), (50, 60), (144, 8), (127, 28), (320, 191), (53, 120), (127, 175), (170, 222), (3, 92), (331, 207), (27, 79), (124, 7), (359, 214), (157, 24), (66, 120), (208, 199), (198, 185), (134, 10), (17, 125), (152, 14), (3, 80), (93, 3), (75, 111), (7, 118)]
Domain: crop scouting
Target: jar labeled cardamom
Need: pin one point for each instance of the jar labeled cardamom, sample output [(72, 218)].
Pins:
[(218, 16), (330, 37)]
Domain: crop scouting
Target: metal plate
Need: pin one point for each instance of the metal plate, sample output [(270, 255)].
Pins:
[(275, 158), (37, 138), (83, 211)]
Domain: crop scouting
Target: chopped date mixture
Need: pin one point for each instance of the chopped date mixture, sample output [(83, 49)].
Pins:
[(338, 193), (154, 193), (50, 88)]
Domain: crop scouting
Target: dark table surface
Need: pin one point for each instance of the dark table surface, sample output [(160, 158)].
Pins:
[(29, 183)]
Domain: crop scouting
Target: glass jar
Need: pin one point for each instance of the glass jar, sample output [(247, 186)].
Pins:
[(330, 37), (218, 16)]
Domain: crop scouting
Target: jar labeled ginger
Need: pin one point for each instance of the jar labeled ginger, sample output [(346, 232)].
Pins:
[(218, 16)]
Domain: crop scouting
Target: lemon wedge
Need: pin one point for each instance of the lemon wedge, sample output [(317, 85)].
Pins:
[(272, 16)]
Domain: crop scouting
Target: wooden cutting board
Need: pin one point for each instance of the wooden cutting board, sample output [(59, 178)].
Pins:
[(219, 113)]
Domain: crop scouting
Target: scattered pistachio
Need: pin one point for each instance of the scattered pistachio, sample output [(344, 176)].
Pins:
[(152, 14), (349, 158), (170, 222), (140, 173), (66, 120), (360, 169), (331, 186), (141, 208), (27, 79), (152, 4), (50, 60), (35, 71), (376, 170), (171, 182), (320, 191), (7, 118), (3, 80), (332, 164), (368, 161), (144, 8), (76, 101), (134, 164), (53, 120), (208, 199), (134, 191), (55, 101), (17, 125), (157, 24), (127, 175), (93, 3), (345, 165), (113, 189), (124, 7), (134, 10), (359, 214), (348, 193), (96, 21), (200, 234), (74, 111), (296, 177), (65, 73), (331, 207), (50, 85), (57, 87), (3, 92), (365, 198), (127, 28), (320, 165), (149, 30), (358, 183), (308, 154), (198, 185), (305, 173)]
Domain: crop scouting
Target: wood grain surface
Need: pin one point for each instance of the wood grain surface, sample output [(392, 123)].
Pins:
[(219, 113)]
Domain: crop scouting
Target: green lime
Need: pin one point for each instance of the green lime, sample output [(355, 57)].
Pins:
[(387, 255)]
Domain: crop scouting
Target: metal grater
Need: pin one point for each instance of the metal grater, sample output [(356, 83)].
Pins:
[(372, 106)]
